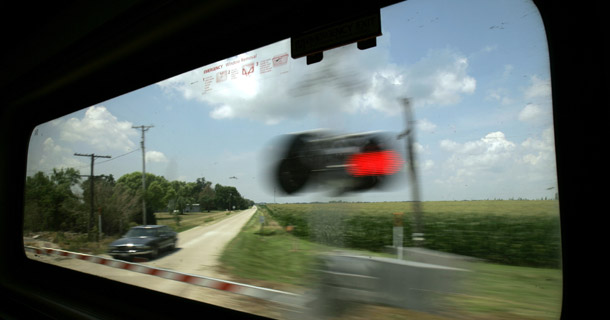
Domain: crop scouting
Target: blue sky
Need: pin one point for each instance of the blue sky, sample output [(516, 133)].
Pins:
[(477, 73)]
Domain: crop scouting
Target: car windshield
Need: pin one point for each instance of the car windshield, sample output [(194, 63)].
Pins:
[(359, 180), (141, 232)]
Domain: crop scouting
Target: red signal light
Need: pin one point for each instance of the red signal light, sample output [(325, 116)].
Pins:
[(376, 163)]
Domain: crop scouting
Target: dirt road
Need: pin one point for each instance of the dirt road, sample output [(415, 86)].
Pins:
[(199, 248), (197, 253)]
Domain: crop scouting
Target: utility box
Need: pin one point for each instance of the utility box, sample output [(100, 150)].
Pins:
[(416, 285)]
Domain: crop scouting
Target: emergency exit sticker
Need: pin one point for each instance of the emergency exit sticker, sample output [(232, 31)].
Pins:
[(269, 61)]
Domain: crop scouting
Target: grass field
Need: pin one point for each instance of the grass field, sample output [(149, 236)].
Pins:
[(273, 257), (496, 207), (524, 233)]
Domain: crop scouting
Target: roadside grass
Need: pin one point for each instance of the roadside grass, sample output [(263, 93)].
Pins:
[(269, 253), (491, 291), (70, 241)]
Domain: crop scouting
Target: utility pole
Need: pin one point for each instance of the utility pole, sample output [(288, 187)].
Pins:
[(143, 129), (409, 134), (91, 177)]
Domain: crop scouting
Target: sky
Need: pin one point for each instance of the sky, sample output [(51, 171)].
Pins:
[(476, 73)]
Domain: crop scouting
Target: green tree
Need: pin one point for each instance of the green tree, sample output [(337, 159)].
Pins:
[(114, 202), (200, 184), (132, 182), (228, 198), (154, 196), (119, 210), (179, 196), (38, 202), (169, 199), (207, 197), (187, 193), (51, 204)]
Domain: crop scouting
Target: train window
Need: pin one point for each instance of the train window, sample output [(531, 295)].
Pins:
[(413, 177)]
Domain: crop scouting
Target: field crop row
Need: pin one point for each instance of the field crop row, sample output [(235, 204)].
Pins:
[(522, 233)]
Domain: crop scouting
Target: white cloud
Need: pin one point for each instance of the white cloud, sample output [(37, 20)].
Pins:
[(532, 113), (96, 131), (449, 145), (488, 154), (155, 156), (538, 88), (494, 165), (440, 78), (508, 70), (540, 151), (223, 112), (347, 80), (500, 95), (426, 126), (427, 165), (538, 109), (48, 155), (490, 48), (419, 148), (99, 129)]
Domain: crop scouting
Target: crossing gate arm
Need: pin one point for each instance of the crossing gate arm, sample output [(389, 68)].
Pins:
[(272, 295)]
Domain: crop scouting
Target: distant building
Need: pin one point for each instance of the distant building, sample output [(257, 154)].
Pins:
[(194, 207)]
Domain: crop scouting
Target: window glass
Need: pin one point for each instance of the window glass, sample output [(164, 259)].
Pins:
[(350, 185)]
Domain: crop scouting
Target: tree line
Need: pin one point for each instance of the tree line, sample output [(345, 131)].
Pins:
[(61, 200)]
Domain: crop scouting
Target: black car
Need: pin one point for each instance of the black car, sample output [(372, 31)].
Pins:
[(146, 240)]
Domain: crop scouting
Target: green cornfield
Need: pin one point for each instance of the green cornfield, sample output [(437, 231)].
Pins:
[(512, 232)]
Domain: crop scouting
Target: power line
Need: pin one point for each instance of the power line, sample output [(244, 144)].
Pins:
[(83, 166), (122, 155)]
